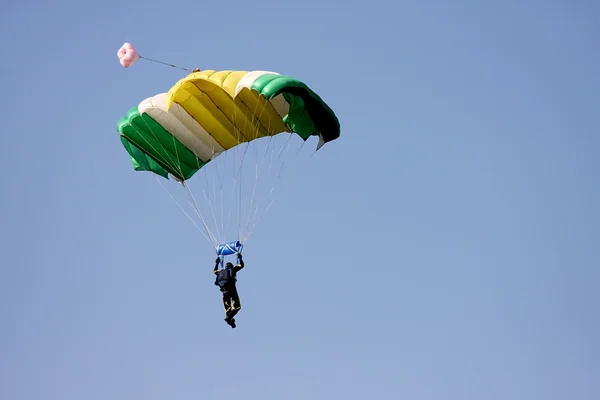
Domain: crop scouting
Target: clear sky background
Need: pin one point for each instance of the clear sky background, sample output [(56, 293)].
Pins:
[(445, 247)]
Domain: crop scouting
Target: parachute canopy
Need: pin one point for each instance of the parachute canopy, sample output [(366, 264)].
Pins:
[(209, 112)]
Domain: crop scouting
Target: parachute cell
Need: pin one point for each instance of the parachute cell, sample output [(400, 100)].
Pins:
[(151, 133)]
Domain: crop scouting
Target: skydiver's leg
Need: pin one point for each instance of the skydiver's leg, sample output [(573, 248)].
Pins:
[(226, 303), (235, 303)]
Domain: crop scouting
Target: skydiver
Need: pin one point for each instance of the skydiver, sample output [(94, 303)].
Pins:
[(226, 279)]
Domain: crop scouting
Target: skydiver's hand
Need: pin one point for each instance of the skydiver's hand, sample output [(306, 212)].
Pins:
[(218, 260)]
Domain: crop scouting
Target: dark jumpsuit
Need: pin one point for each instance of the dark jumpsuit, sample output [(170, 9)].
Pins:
[(231, 299)]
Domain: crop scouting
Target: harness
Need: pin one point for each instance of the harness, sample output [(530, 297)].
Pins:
[(225, 278)]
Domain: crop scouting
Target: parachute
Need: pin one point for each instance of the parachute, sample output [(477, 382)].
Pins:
[(127, 55), (209, 114)]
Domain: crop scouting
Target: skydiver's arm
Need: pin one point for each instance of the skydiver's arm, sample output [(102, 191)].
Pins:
[(216, 269), (240, 265)]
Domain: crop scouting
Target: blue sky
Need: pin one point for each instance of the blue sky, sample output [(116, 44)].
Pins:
[(445, 247)]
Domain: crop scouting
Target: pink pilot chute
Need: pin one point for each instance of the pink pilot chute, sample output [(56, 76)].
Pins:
[(127, 55)]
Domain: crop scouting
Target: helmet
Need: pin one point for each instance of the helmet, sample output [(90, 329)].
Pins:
[(229, 265)]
